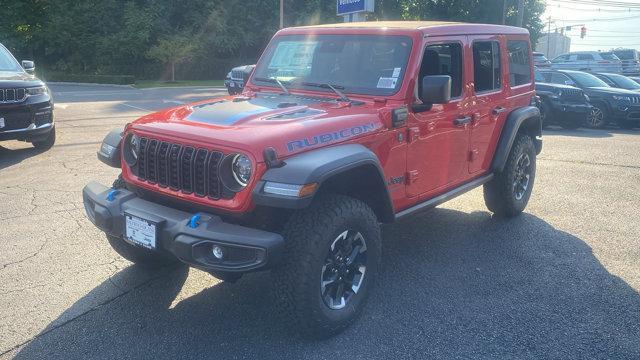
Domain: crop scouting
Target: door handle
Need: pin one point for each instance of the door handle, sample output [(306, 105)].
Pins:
[(498, 110), (462, 121)]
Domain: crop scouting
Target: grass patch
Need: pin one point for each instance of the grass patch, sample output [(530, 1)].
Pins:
[(146, 84)]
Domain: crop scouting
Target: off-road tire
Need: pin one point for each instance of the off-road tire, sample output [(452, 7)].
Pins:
[(309, 234), (499, 194), (596, 110), (47, 143), (138, 255)]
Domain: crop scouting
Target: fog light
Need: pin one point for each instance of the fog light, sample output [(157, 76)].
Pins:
[(217, 252)]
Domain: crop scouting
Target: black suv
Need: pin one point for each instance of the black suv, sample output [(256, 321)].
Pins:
[(237, 77), (561, 104), (609, 105), (26, 107), (619, 81)]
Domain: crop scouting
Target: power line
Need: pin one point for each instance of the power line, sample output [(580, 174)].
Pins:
[(601, 3), (600, 19), (593, 10)]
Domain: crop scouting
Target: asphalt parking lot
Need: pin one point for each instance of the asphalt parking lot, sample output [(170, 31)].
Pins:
[(561, 281)]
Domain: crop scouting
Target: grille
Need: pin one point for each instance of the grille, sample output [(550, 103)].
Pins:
[(572, 94), (635, 100), (12, 95), (181, 168), (237, 74)]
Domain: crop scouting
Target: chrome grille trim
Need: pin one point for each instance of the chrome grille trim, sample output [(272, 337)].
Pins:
[(12, 95)]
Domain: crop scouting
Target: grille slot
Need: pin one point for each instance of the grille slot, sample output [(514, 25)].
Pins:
[(213, 179), (635, 100), (163, 158), (182, 168), (152, 158), (200, 170), (142, 159)]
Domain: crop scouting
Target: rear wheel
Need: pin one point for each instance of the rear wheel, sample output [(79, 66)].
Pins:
[(597, 117), (332, 257), (508, 193)]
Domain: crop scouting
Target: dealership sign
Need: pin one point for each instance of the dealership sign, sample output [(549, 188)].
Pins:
[(346, 7)]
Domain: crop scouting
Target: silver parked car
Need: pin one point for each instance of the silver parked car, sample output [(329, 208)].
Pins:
[(592, 61), (630, 60)]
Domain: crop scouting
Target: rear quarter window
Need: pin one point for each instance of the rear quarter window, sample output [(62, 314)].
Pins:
[(519, 64), (609, 56)]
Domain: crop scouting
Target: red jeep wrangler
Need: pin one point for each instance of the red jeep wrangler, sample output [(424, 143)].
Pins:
[(340, 128)]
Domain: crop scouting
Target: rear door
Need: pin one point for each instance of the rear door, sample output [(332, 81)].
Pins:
[(439, 138), (489, 104)]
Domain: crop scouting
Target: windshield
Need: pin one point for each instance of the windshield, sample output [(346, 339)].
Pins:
[(7, 62), (624, 82), (626, 54), (587, 80), (360, 64), (609, 56)]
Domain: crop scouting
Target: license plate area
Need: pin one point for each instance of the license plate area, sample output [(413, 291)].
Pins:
[(140, 231)]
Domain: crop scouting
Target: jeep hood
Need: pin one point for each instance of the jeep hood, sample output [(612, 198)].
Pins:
[(289, 124)]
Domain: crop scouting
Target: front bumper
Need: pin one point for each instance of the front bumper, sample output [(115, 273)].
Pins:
[(246, 249), (27, 121), (627, 112), (578, 109)]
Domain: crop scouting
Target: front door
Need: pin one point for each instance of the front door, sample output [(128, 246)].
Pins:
[(439, 138)]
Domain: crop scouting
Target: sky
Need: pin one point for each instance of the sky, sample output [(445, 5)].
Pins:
[(610, 23)]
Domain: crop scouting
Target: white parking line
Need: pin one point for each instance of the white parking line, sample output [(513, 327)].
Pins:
[(135, 107)]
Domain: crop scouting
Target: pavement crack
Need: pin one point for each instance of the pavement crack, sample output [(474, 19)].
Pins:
[(591, 163)]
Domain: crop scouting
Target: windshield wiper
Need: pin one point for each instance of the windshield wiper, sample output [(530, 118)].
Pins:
[(334, 88), (275, 81)]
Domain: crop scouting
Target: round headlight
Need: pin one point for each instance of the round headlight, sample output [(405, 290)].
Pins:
[(131, 149), (241, 168)]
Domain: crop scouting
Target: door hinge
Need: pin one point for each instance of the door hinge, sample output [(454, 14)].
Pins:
[(473, 154), (412, 176), (414, 134)]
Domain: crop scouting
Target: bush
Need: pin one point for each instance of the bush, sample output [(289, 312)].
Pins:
[(95, 79)]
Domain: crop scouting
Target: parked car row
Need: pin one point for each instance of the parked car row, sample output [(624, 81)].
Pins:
[(569, 98), (619, 61)]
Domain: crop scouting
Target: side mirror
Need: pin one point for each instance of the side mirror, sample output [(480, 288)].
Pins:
[(28, 66), (436, 89)]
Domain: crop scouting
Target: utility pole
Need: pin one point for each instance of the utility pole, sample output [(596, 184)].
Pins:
[(281, 14), (504, 12), (549, 38), (519, 22)]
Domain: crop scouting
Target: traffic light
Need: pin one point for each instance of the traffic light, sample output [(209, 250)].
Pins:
[(583, 32)]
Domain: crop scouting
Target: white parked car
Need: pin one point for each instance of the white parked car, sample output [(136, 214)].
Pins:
[(591, 61)]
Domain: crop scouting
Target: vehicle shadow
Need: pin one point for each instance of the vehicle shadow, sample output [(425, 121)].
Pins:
[(586, 132), (453, 285), (10, 157)]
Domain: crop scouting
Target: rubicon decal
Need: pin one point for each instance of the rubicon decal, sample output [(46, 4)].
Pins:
[(330, 137)]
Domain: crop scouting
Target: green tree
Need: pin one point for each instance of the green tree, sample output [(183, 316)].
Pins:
[(172, 51)]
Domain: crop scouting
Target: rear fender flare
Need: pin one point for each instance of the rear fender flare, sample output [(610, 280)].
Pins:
[(523, 119)]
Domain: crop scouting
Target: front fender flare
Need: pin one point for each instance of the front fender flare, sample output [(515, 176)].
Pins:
[(527, 118), (111, 156), (318, 166)]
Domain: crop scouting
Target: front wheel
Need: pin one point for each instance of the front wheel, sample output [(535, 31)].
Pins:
[(46, 143), (332, 257), (597, 117), (508, 193)]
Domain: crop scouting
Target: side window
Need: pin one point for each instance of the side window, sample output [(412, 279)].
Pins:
[(585, 57), (444, 59), (519, 66), (607, 80), (486, 65), (561, 79)]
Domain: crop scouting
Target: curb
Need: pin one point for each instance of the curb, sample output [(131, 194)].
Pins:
[(92, 84)]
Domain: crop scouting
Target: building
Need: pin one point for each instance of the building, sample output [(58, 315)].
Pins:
[(553, 44)]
